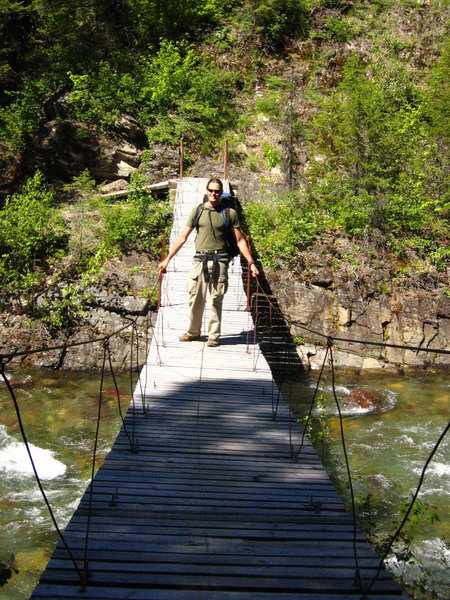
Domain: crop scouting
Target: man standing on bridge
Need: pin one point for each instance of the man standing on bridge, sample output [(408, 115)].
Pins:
[(209, 270)]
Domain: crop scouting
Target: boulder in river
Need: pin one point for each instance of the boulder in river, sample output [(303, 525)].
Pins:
[(365, 397)]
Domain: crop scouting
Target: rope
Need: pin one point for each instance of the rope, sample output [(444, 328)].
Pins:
[(118, 395), (341, 424), (312, 401), (369, 343), (405, 518), (91, 488), (38, 480), (8, 357)]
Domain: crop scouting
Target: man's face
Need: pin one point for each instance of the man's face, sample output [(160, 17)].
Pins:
[(214, 193)]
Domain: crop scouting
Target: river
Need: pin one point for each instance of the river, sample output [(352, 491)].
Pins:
[(387, 447)]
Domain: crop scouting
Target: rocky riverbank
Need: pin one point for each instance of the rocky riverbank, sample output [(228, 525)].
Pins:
[(359, 302), (339, 287), (118, 302)]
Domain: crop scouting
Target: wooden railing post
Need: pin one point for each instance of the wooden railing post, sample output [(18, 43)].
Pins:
[(163, 256), (225, 159), (247, 308), (181, 158)]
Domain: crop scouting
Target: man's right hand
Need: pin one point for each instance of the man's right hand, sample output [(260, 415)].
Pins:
[(163, 266)]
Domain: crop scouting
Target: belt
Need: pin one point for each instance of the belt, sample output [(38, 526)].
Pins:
[(215, 256), (202, 252)]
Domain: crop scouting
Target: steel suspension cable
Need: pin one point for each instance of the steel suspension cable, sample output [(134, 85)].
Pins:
[(94, 456), (369, 343), (38, 480), (111, 368), (408, 512), (358, 579), (312, 401), (11, 355)]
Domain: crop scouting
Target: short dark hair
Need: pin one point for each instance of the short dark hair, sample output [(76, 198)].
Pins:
[(215, 180)]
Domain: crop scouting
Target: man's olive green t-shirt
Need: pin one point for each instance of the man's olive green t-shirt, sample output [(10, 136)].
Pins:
[(212, 230)]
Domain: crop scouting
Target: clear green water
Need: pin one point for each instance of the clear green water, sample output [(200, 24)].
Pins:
[(59, 414), (387, 447)]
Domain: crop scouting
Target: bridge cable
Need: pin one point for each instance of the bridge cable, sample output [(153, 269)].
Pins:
[(118, 396), (41, 488), (407, 513), (94, 456), (358, 579), (369, 343), (11, 355), (308, 417)]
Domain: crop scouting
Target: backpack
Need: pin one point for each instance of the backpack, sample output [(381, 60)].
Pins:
[(227, 202)]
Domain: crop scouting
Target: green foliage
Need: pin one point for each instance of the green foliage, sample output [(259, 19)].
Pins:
[(268, 106), (101, 96), (378, 166), (32, 231), (67, 308), (279, 229), (277, 20), (272, 155), (20, 117), (139, 222), (437, 95), (316, 427), (339, 29), (83, 184), (183, 94), (175, 92), (173, 19), (152, 293)]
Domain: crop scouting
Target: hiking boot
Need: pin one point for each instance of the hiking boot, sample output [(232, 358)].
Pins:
[(212, 343), (185, 337)]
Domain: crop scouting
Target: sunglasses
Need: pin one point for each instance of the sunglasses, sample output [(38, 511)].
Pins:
[(214, 191)]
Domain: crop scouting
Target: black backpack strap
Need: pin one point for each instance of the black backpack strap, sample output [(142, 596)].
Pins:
[(226, 219), (198, 214)]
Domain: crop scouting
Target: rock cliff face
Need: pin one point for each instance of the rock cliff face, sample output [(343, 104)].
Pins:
[(339, 287), (361, 302), (117, 300), (357, 290)]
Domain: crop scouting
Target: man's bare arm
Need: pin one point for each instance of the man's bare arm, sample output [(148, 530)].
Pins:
[(181, 239), (243, 247)]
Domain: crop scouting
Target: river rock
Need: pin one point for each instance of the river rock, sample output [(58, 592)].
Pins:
[(20, 382), (365, 397)]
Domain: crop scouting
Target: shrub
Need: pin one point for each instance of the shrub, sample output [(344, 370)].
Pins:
[(380, 162), (20, 117), (139, 222), (279, 229), (32, 231), (279, 19), (174, 92)]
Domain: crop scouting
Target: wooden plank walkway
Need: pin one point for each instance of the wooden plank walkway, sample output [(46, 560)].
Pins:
[(211, 506)]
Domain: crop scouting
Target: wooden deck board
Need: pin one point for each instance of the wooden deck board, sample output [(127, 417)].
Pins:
[(212, 506)]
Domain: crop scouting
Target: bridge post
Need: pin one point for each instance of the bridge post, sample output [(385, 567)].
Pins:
[(225, 159), (181, 157)]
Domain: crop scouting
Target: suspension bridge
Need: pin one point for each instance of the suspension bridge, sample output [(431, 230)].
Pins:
[(201, 496)]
